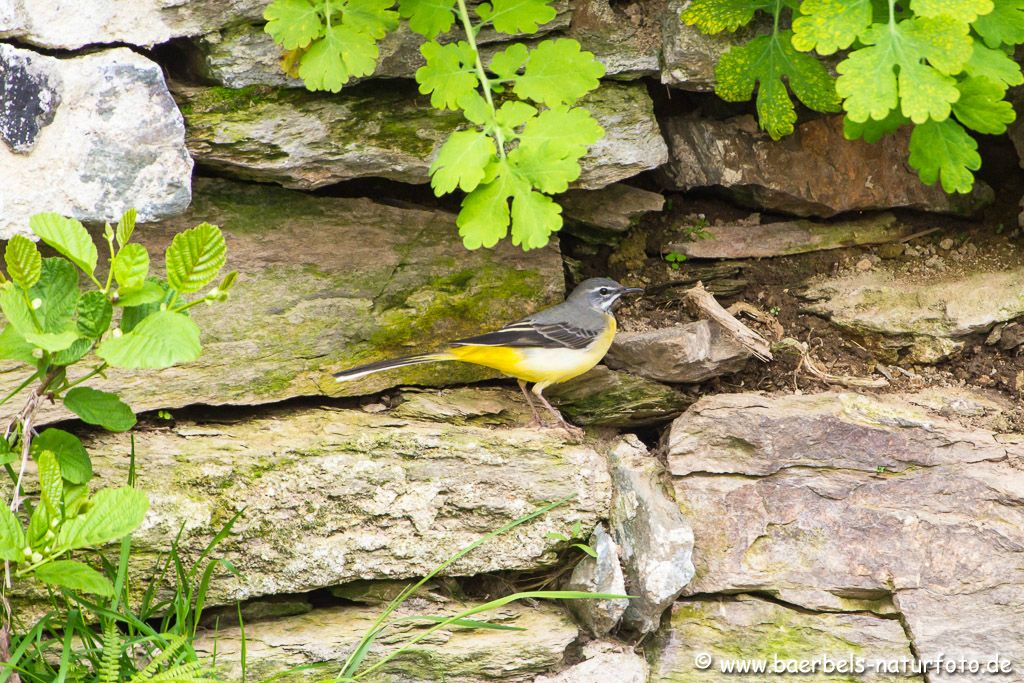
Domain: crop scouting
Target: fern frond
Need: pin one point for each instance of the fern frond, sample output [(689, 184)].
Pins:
[(173, 647), (110, 662)]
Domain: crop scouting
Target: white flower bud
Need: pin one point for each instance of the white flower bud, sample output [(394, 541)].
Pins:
[(37, 353), (37, 557), (117, 332), (36, 303)]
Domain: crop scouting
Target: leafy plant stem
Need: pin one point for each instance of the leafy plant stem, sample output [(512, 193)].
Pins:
[(485, 83), (110, 270), (92, 373)]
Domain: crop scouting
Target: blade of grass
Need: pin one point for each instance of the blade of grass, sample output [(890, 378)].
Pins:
[(465, 623), (65, 657)]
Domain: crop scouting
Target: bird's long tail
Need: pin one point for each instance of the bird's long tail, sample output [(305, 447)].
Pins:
[(370, 368)]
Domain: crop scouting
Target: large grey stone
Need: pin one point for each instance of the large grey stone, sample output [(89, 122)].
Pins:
[(335, 495), (601, 574), (746, 628), (917, 318), (611, 210), (327, 637), (655, 539), (688, 353), (88, 137), (70, 26), (844, 502), (688, 57), (307, 140), (327, 284), (814, 172)]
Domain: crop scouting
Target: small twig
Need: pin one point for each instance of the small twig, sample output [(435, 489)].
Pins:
[(705, 303), (815, 370)]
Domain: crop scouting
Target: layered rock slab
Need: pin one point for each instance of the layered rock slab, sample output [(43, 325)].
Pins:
[(337, 495), (327, 284), (307, 140), (88, 137), (847, 502)]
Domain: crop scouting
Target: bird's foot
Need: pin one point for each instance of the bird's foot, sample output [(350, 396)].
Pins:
[(576, 433)]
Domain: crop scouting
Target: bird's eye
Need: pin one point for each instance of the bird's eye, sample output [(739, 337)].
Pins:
[(603, 291)]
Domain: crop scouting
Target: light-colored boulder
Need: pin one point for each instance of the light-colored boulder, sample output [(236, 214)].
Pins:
[(814, 172), (88, 137), (327, 637), (706, 634), (919, 318), (601, 574), (307, 140), (689, 353), (844, 502), (327, 284), (605, 214), (603, 662)]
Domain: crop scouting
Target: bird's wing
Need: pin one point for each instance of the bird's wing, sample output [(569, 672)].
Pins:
[(530, 333)]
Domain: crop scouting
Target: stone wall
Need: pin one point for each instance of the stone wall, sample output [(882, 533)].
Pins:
[(748, 525)]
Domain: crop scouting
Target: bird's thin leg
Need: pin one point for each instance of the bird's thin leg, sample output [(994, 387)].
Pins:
[(572, 429), (529, 402)]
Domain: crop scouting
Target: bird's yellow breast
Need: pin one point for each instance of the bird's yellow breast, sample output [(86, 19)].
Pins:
[(549, 366)]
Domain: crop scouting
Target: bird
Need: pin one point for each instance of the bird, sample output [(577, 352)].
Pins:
[(551, 346)]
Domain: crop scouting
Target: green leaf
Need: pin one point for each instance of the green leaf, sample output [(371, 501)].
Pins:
[(585, 548), (461, 162), (131, 266), (942, 150), (981, 106), (429, 18), (995, 64), (15, 307), (38, 526), (24, 263), (13, 346), (516, 16), (1004, 25), (371, 17), (151, 292), (68, 237), (51, 483), (52, 341), (558, 72), (765, 61), (868, 77), (534, 217), (113, 513), (507, 63), (448, 74), (715, 16), (76, 576), (511, 115), (485, 214), (12, 536), (71, 455), (57, 292), (570, 131), (195, 257), (162, 339), (94, 313), (828, 26), (292, 23), (548, 169), (100, 408), (961, 10), (125, 227), (73, 353), (341, 54), (872, 130)]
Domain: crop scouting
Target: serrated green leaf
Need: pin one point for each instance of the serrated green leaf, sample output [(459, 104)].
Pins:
[(943, 150), (485, 215), (125, 227), (507, 63), (981, 106), (68, 237), (112, 514), (511, 115), (24, 263), (872, 130), (150, 293), (475, 109), (534, 217), (448, 74), (73, 353), (568, 130), (51, 483), (558, 72), (195, 257), (961, 10), (13, 346), (548, 169), (461, 162), (57, 294), (868, 79), (371, 17), (12, 536), (516, 16), (52, 341), (131, 266), (828, 26), (38, 525), (1004, 25), (429, 18), (715, 16), (75, 576), (765, 61), (100, 408), (71, 455), (15, 307), (160, 340), (995, 64), (94, 314), (293, 23)]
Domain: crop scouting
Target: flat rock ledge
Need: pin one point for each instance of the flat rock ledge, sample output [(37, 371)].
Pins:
[(848, 503)]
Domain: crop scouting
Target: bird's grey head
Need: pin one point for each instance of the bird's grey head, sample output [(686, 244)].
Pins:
[(601, 293)]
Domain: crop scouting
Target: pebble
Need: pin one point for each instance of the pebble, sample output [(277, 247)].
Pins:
[(946, 244), (864, 264)]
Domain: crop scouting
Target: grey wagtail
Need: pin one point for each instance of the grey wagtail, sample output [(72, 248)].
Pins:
[(548, 347)]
